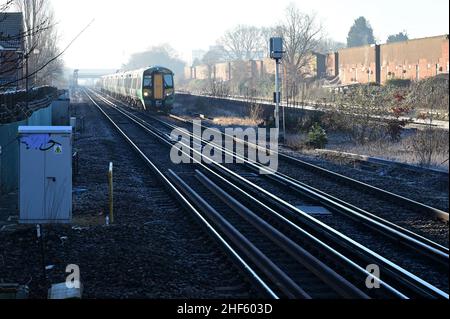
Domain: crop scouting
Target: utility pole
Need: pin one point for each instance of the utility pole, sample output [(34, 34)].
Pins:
[(19, 67), (27, 89), (36, 52), (276, 53), (277, 94)]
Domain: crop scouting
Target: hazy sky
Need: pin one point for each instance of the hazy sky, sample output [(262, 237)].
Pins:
[(123, 27)]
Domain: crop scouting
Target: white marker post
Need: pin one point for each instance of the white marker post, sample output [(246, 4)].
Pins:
[(111, 193)]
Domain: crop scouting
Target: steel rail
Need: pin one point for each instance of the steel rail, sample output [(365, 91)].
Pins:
[(419, 243), (419, 285), (306, 236), (395, 198), (408, 279), (163, 137), (322, 271), (342, 258), (338, 283), (184, 201), (288, 286), (344, 288)]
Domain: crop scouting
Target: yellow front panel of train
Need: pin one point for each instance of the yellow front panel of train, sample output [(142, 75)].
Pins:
[(158, 87)]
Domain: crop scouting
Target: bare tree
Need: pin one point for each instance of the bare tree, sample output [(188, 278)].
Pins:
[(48, 49), (40, 40), (327, 45), (244, 42), (302, 34), (216, 54), (5, 6)]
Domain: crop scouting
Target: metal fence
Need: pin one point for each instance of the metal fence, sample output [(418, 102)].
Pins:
[(18, 105), (9, 147)]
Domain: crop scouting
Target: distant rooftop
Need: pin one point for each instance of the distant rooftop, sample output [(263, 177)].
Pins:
[(11, 30)]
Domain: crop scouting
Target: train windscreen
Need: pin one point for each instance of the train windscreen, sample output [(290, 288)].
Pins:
[(148, 82), (168, 80)]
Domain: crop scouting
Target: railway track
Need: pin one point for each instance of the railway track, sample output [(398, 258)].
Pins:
[(386, 222), (263, 233), (295, 167), (293, 164)]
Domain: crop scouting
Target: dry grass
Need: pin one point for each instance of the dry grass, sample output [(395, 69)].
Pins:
[(225, 118), (235, 121), (406, 150), (296, 141)]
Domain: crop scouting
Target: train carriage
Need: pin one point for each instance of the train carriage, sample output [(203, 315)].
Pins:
[(149, 88)]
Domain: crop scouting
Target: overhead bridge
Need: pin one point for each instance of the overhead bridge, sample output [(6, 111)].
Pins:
[(90, 75), (93, 74)]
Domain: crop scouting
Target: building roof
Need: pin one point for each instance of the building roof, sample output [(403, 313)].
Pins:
[(11, 30)]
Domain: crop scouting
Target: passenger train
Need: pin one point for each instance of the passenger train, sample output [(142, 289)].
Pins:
[(151, 89)]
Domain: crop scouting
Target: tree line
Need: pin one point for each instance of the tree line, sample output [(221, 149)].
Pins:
[(303, 33)]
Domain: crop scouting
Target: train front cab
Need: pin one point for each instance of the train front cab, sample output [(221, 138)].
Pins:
[(158, 91)]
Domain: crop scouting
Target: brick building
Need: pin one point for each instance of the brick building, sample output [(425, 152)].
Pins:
[(415, 60), (11, 49), (225, 71), (357, 65)]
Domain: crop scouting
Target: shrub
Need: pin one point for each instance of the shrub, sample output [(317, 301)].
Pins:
[(399, 109), (403, 83), (317, 137), (301, 121), (294, 141), (430, 144), (357, 112), (256, 112), (395, 128), (430, 94)]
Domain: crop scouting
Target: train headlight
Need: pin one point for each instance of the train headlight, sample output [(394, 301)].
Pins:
[(146, 94)]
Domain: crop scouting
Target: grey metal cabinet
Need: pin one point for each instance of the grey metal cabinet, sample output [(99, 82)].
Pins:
[(45, 172)]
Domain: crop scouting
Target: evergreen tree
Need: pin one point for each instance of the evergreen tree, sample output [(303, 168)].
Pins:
[(361, 33), (399, 37)]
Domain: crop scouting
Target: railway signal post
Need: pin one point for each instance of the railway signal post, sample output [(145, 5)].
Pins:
[(276, 53)]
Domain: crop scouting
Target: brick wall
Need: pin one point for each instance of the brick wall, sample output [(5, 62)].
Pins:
[(332, 69), (223, 71), (357, 65), (414, 59)]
